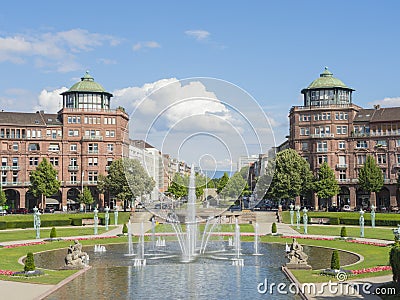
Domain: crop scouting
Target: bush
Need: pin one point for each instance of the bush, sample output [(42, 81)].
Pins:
[(20, 224), (335, 262), (274, 229), (29, 262), (76, 221), (53, 233), (343, 232), (3, 225), (334, 221), (395, 262), (125, 229)]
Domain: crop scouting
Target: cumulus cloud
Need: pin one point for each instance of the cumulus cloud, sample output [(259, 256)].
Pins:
[(52, 49), (198, 34), (50, 101), (148, 44), (388, 102)]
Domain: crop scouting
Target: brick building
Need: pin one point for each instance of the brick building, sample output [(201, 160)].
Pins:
[(80, 141), (330, 128)]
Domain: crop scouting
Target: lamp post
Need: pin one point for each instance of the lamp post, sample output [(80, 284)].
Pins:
[(305, 220), (96, 219), (291, 206), (373, 216), (38, 225), (361, 223), (297, 217)]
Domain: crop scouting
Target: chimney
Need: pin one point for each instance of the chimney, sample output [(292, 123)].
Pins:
[(377, 106)]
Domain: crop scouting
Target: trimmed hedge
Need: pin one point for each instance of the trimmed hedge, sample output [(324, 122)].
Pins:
[(334, 221), (76, 222), (53, 223), (3, 225), (20, 224)]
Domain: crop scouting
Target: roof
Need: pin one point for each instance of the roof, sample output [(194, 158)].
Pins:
[(28, 119), (141, 144), (388, 114), (87, 84), (326, 80)]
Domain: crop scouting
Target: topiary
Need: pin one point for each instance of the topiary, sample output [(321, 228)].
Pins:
[(53, 233), (124, 229), (29, 262), (335, 262), (343, 232), (274, 229)]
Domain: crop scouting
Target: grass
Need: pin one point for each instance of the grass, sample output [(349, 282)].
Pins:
[(352, 231), (161, 228), (29, 234)]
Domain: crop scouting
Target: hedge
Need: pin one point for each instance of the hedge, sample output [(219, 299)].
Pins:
[(76, 221), (3, 225), (334, 221)]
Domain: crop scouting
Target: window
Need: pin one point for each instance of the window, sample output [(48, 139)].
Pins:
[(33, 161), (304, 146), (341, 116), (92, 161), (342, 175), (93, 148), (322, 159), (384, 173), (109, 161), (381, 158), (54, 161), (3, 177), (73, 147), (4, 161), (74, 120), (110, 133), (92, 176), (73, 132), (342, 160), (322, 147), (110, 147), (33, 147), (305, 131), (73, 162), (54, 147), (397, 143), (362, 144), (361, 159), (72, 177), (15, 147), (381, 143), (341, 129), (15, 177), (304, 118), (342, 145)]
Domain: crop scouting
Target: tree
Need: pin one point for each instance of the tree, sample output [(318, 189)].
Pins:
[(222, 182), (326, 185), (335, 262), (3, 198), (44, 181), (394, 259), (343, 232), (29, 262), (370, 177), (178, 188), (86, 197), (274, 229), (234, 187), (291, 176), (53, 233), (127, 180), (124, 229)]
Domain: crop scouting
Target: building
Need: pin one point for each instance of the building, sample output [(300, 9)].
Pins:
[(330, 128), (246, 161), (80, 141)]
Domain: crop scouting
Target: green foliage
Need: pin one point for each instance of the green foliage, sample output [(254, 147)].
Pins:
[(274, 229), (234, 187), (343, 232), (86, 197), (222, 182), (3, 225), (334, 221), (292, 176), (53, 233), (178, 187), (335, 262), (370, 177), (125, 229), (3, 198), (394, 259), (29, 262), (126, 179), (326, 185), (44, 180), (76, 221)]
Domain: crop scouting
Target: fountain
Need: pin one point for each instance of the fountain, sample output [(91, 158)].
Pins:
[(237, 261), (140, 260), (99, 248), (130, 245), (256, 239)]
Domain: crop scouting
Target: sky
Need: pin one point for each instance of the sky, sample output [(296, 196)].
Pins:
[(258, 55)]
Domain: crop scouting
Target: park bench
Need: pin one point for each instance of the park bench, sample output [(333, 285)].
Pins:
[(89, 221), (319, 220)]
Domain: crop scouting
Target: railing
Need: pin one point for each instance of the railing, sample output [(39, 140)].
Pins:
[(15, 168), (92, 138), (396, 165), (9, 183), (322, 135), (72, 182), (5, 168), (344, 180), (322, 106), (341, 166), (90, 182), (374, 133), (93, 151), (354, 180), (73, 168)]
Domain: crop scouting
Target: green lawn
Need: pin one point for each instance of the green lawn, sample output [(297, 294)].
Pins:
[(369, 232), (221, 228), (29, 234)]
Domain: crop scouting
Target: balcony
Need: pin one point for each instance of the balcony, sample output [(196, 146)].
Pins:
[(397, 166), (386, 181), (15, 168), (93, 182), (72, 182), (354, 180), (341, 166), (9, 183), (3, 168), (93, 151), (322, 135), (73, 168), (92, 138), (344, 180)]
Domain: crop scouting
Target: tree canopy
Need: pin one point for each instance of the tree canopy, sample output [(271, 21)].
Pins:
[(3, 198), (222, 182), (370, 177), (234, 187), (326, 185), (85, 197)]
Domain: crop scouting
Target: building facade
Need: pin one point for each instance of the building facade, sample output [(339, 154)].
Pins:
[(330, 128), (80, 141)]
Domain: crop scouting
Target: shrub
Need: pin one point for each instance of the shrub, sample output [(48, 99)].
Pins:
[(334, 221), (3, 225), (274, 229), (76, 221), (335, 262), (125, 229), (395, 262), (29, 262), (343, 232), (53, 233)]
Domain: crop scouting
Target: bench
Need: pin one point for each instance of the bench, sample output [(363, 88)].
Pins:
[(319, 220), (89, 221)]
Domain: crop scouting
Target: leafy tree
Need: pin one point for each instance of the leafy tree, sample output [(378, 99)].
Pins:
[(222, 182), (127, 180), (245, 172), (3, 198), (178, 187), (343, 232), (234, 187), (29, 262), (291, 177), (125, 229), (394, 259), (335, 262), (86, 197), (44, 181), (370, 177), (326, 185), (274, 229), (53, 233)]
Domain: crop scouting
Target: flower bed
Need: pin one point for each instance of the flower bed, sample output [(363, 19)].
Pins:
[(24, 244), (307, 237), (6, 272), (90, 238), (371, 270), (367, 243)]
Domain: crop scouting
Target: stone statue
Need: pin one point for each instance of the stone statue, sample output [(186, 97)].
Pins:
[(297, 258), (75, 256)]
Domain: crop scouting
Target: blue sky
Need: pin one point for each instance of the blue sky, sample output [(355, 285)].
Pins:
[(271, 49)]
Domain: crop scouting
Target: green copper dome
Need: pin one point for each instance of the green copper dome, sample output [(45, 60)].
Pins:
[(326, 80), (87, 84)]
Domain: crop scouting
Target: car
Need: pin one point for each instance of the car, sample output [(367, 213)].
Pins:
[(49, 210), (346, 208), (394, 208), (235, 208), (139, 205)]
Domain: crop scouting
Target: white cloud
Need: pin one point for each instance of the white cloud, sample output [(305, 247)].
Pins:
[(198, 34), (148, 44), (388, 102), (50, 101), (52, 49)]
